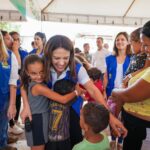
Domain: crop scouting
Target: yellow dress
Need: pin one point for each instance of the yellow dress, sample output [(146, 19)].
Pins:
[(143, 107)]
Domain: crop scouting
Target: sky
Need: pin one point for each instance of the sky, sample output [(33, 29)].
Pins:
[(79, 33)]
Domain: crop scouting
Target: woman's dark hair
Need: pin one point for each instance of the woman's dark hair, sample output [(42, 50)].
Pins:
[(4, 32), (115, 49), (13, 32), (146, 29), (96, 116), (55, 42), (135, 35), (77, 50), (94, 73), (32, 43), (42, 36), (30, 59)]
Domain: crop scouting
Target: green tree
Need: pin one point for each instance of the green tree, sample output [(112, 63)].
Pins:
[(9, 26)]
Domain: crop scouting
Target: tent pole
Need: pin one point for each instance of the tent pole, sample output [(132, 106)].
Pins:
[(42, 11), (129, 8)]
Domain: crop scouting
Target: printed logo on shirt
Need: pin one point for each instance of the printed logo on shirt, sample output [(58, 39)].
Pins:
[(58, 121), (5, 65), (110, 75)]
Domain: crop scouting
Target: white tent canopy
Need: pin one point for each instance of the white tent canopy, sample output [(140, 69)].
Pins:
[(111, 12), (8, 12)]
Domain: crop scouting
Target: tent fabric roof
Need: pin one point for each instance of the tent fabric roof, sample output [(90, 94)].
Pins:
[(118, 12)]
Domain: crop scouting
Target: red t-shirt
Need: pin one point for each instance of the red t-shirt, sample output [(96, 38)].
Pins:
[(99, 85)]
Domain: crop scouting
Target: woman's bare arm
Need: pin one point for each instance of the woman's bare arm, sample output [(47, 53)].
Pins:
[(114, 122), (139, 91), (95, 93), (12, 105)]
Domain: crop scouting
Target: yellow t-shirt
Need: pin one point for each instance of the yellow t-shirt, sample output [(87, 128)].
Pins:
[(143, 107)]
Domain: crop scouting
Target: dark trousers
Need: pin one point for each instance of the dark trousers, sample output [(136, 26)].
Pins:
[(136, 131), (61, 145), (18, 105), (75, 130)]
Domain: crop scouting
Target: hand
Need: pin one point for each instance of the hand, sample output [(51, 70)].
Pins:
[(84, 97), (11, 113), (113, 98), (26, 112), (117, 126), (125, 81), (80, 90), (118, 103)]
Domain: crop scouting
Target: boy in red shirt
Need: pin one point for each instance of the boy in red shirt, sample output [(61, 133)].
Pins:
[(95, 76)]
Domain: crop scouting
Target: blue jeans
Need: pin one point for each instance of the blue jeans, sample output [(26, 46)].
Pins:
[(3, 122)]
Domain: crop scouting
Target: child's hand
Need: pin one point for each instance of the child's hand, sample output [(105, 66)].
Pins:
[(84, 97), (11, 113), (26, 112), (80, 90)]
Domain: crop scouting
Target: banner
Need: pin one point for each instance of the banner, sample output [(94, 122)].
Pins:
[(28, 8), (20, 5)]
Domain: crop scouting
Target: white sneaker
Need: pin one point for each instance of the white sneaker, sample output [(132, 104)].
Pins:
[(20, 125), (15, 130)]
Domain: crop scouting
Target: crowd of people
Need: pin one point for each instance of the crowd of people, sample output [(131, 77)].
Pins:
[(55, 80)]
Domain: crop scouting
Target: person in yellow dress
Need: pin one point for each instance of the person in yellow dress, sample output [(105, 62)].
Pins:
[(135, 99)]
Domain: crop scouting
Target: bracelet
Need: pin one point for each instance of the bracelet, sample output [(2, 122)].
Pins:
[(129, 76), (76, 92)]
